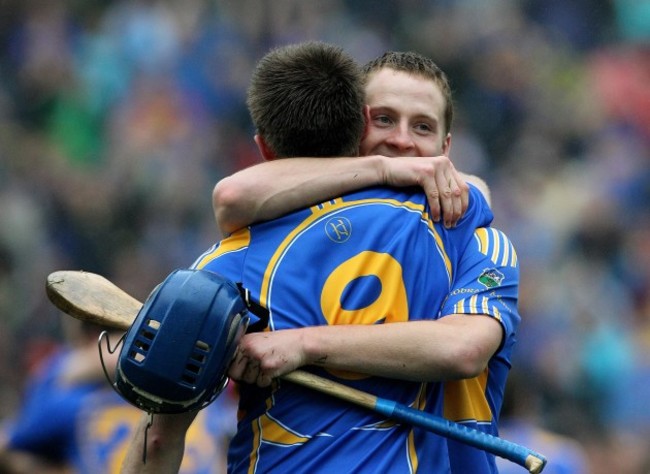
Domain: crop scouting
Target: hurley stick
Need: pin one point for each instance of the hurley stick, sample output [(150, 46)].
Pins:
[(91, 297)]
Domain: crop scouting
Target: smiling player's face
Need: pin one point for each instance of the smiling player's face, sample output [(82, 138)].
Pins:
[(406, 116)]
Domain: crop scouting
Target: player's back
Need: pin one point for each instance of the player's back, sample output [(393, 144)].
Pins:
[(371, 257)]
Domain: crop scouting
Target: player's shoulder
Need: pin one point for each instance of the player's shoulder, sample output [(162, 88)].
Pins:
[(230, 245), (496, 245), (479, 205)]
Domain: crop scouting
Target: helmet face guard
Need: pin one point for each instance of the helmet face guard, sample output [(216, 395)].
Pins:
[(176, 355)]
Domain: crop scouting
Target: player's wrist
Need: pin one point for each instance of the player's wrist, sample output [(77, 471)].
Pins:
[(312, 349), (380, 166)]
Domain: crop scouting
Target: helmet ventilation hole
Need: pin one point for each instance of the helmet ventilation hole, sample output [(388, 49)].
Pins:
[(196, 362), (143, 341)]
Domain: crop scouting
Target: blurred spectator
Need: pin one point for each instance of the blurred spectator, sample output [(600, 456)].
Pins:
[(70, 419)]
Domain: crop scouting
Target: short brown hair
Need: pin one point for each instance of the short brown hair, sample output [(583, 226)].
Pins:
[(417, 65), (307, 99)]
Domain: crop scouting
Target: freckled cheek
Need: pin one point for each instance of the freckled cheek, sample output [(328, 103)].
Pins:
[(428, 147), (373, 139)]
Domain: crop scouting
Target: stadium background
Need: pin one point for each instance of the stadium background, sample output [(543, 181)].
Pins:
[(117, 117)]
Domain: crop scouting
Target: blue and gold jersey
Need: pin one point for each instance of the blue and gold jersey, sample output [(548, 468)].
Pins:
[(372, 257)]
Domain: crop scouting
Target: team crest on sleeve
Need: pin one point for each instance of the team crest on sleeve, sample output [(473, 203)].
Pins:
[(491, 277)]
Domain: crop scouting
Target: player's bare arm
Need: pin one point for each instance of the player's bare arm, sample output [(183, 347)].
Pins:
[(273, 188), (453, 347), (165, 444)]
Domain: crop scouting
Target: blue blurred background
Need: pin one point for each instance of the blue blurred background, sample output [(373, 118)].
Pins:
[(117, 118)]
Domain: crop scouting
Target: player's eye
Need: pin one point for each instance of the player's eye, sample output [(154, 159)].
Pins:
[(424, 128), (382, 120)]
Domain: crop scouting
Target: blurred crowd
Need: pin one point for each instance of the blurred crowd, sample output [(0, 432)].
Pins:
[(117, 118)]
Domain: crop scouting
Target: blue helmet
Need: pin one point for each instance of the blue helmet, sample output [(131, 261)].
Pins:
[(176, 354)]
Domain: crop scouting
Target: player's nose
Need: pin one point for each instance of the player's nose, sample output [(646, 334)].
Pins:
[(400, 138)]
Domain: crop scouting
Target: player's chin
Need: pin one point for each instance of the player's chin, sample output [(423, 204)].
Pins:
[(393, 153)]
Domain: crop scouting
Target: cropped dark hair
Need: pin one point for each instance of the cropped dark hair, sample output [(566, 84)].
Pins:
[(307, 99), (417, 65)]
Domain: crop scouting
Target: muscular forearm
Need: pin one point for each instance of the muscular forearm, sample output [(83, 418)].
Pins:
[(454, 347), (165, 445), (271, 189)]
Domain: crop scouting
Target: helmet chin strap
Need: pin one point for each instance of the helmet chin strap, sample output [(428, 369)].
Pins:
[(104, 336), (255, 308), (144, 445)]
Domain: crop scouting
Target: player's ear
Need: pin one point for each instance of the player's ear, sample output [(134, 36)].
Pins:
[(446, 145), (366, 123), (366, 116), (266, 152)]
